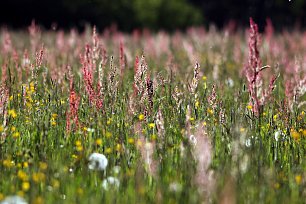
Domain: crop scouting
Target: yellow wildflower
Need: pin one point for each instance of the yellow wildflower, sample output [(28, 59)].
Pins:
[(12, 113), (108, 134), (153, 137), (210, 111), (118, 147), (16, 135), (43, 166), (38, 177), (79, 148), (295, 135), (151, 125), (249, 107), (141, 117), (108, 150), (78, 143), (22, 175), (8, 163), (131, 140), (38, 200), (55, 183), (1, 196), (99, 141), (197, 103), (298, 179), (25, 186)]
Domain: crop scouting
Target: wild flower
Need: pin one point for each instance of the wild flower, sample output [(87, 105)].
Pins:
[(110, 183), (258, 96), (97, 161), (14, 200), (195, 79), (72, 113)]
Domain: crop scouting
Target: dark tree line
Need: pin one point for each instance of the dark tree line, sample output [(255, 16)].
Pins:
[(154, 14)]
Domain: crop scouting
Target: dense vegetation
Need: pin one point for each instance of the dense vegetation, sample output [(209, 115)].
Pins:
[(202, 116)]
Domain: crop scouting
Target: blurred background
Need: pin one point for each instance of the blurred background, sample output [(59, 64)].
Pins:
[(169, 15)]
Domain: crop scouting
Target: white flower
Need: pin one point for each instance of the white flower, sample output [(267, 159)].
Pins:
[(248, 142), (97, 161), (193, 140), (110, 182), (230, 82), (14, 200), (175, 187), (276, 135), (90, 130), (116, 169)]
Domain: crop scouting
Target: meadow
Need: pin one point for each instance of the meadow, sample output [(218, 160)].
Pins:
[(202, 116)]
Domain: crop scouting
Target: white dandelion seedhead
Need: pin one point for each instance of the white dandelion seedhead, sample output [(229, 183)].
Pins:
[(276, 135), (110, 182), (193, 140), (14, 200), (97, 161)]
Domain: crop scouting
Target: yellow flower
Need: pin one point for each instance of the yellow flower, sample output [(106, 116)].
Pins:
[(79, 148), (38, 177), (141, 117), (204, 123), (1, 196), (108, 134), (295, 135), (109, 121), (204, 78), (25, 186), (298, 179), (8, 163), (151, 125), (55, 183), (12, 113), (242, 129), (131, 140), (11, 98), (249, 107), (153, 137), (22, 175), (304, 132), (54, 115), (191, 119), (197, 103), (210, 111), (78, 143), (16, 135), (139, 143), (1, 128), (99, 141), (43, 166), (53, 123), (275, 117), (25, 164), (108, 150), (38, 200), (118, 147)]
